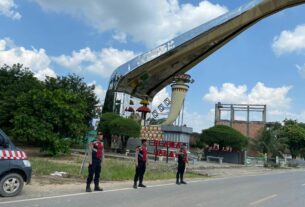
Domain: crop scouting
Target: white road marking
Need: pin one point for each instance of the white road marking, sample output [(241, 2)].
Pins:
[(43, 198), (62, 196), (161, 185), (106, 191), (303, 184), (263, 199), (122, 189), (78, 194)]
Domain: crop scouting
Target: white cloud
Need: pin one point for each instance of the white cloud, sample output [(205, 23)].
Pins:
[(102, 62), (151, 22), (282, 115), (274, 98), (35, 59), (6, 43), (301, 70), (42, 74), (7, 9), (120, 36), (199, 121), (99, 91), (76, 59), (228, 93), (290, 41), (2, 45)]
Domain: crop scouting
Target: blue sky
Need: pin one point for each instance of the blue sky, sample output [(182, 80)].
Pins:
[(264, 65)]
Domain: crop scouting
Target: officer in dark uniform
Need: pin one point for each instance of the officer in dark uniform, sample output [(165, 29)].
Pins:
[(96, 157), (141, 160), (182, 160)]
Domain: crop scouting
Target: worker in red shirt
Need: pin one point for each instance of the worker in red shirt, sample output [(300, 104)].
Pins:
[(182, 160), (96, 157), (141, 161)]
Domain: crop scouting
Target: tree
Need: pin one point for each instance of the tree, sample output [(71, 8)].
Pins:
[(195, 141), (76, 85), (295, 135), (47, 118), (224, 136), (15, 81), (104, 125), (302, 125), (270, 142), (112, 124), (48, 114), (125, 128)]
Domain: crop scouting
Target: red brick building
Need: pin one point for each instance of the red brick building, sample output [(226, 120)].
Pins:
[(248, 127)]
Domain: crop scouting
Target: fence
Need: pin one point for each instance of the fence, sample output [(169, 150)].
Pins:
[(255, 161), (261, 161)]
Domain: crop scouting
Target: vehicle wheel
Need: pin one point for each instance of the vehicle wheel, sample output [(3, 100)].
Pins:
[(11, 185)]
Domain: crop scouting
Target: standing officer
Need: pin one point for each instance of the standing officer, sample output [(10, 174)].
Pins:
[(182, 160), (96, 156), (141, 159)]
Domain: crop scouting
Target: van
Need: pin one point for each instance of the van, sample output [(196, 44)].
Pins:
[(15, 168)]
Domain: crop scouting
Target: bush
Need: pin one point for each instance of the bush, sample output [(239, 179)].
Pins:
[(54, 146), (224, 136)]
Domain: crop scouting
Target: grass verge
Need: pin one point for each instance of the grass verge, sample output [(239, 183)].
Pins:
[(112, 169)]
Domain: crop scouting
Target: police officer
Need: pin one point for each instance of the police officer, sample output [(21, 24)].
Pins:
[(182, 160), (141, 160), (96, 156)]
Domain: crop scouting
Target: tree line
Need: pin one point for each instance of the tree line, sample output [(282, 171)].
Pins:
[(51, 114), (275, 139)]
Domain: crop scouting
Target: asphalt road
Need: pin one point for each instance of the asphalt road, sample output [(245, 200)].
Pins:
[(273, 190)]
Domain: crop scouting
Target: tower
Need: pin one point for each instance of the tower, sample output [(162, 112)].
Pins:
[(179, 90)]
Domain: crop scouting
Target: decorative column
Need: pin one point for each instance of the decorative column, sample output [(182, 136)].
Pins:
[(179, 90)]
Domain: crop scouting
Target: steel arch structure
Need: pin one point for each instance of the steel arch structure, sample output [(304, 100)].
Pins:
[(150, 72)]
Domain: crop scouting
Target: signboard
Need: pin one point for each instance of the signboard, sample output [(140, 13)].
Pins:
[(169, 144), (165, 148)]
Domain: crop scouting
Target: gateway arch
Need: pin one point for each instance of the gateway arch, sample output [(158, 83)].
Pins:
[(147, 74)]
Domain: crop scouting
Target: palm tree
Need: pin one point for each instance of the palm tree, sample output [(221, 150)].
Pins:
[(270, 141)]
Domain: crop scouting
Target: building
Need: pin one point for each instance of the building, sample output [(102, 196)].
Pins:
[(248, 119)]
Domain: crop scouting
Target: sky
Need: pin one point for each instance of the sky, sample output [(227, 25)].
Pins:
[(263, 65)]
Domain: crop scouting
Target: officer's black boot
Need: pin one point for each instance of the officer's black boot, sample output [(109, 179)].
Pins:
[(181, 180), (142, 186), (141, 183), (97, 188), (88, 189), (135, 185), (177, 179)]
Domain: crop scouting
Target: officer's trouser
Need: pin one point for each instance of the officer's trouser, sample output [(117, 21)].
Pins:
[(94, 169), (140, 170), (180, 171)]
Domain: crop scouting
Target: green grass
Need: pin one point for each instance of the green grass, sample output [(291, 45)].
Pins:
[(112, 169), (43, 166)]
